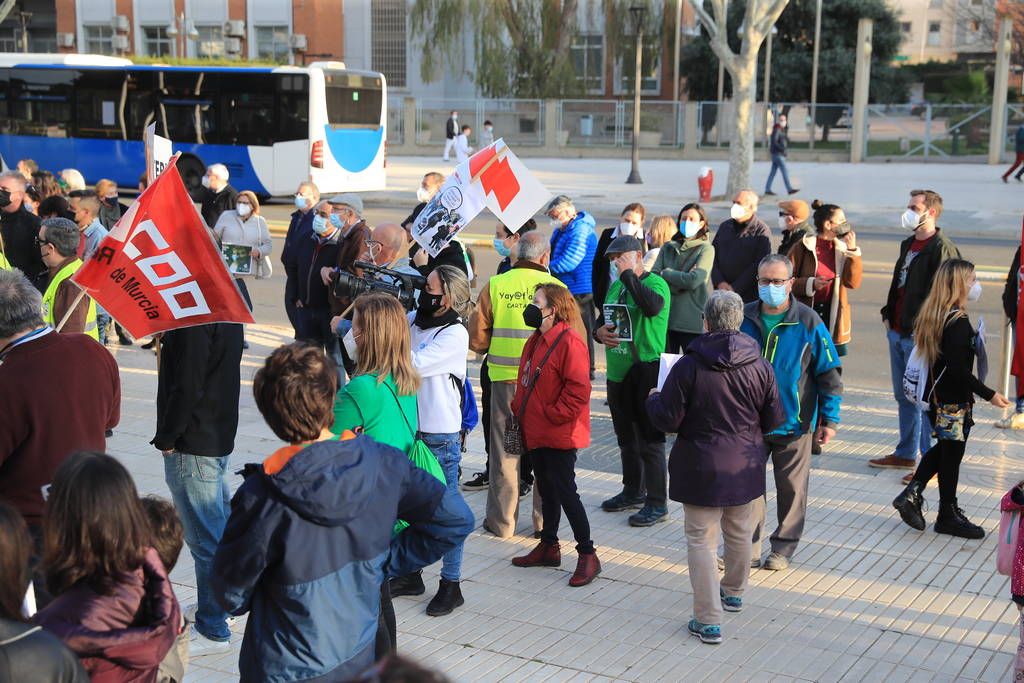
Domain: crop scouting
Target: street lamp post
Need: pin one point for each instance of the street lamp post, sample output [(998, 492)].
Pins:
[(814, 73), (638, 13)]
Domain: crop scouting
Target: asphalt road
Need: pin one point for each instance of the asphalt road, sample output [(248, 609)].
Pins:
[(866, 366)]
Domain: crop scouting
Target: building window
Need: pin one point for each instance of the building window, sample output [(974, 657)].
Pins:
[(9, 40), (905, 26), (156, 42), (588, 62), (934, 33), (272, 43), (99, 39), (389, 40), (650, 75), (210, 42)]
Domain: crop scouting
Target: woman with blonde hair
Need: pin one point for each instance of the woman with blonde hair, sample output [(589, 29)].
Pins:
[(946, 340), (661, 230)]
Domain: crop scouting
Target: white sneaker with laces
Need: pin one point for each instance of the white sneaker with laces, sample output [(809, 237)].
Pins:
[(200, 646), (1013, 421)]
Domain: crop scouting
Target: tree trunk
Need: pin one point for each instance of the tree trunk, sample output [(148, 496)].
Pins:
[(741, 148)]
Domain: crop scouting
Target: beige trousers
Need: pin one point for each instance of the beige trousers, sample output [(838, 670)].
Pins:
[(702, 526), (503, 487)]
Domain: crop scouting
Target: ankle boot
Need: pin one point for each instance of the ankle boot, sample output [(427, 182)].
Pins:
[(587, 569), (951, 520), (544, 555), (410, 584), (908, 504), (449, 596)]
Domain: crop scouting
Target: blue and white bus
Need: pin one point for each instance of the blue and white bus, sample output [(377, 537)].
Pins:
[(272, 127)]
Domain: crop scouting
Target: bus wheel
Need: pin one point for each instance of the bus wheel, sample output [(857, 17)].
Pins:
[(192, 171)]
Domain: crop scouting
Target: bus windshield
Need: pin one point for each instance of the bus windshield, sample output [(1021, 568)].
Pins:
[(353, 99)]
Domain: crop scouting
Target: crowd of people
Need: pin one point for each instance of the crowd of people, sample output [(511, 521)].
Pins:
[(374, 401)]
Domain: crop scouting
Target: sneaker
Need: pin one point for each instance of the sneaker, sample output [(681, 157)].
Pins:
[(477, 483), (775, 562), (200, 646), (524, 489), (649, 516), (769, 193), (411, 584), (621, 502), (891, 462), (1013, 421), (730, 603), (755, 562), (794, 190), (708, 633)]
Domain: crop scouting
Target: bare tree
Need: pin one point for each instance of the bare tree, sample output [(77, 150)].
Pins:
[(759, 17)]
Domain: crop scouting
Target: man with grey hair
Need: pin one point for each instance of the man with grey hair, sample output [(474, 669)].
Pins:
[(740, 243), (219, 196), (58, 242), (300, 230), (18, 227), (347, 218), (61, 393), (720, 399), (798, 345)]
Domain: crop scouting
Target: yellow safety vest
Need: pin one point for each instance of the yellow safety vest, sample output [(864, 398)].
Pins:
[(51, 294), (4, 263), (510, 293)]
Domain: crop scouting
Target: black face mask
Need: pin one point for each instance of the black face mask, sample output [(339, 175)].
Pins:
[(428, 304), (533, 316), (5, 197)]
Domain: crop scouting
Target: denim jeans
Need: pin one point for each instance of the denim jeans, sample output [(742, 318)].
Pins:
[(102, 321), (778, 164), (915, 430), (200, 494), (447, 449)]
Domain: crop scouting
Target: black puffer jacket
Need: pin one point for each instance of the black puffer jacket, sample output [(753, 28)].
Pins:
[(30, 654)]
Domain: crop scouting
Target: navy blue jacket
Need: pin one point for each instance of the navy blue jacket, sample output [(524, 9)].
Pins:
[(307, 547), (299, 228), (312, 253)]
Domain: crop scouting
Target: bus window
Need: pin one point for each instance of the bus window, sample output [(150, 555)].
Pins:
[(141, 105), (247, 106), (41, 101), (292, 107), (353, 99), (100, 104)]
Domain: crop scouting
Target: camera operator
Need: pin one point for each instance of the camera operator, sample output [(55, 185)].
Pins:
[(313, 253), (347, 217)]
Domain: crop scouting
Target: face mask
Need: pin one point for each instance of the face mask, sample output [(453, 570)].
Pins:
[(336, 221), (243, 210), (533, 316), (772, 295), (613, 271), (428, 304), (910, 219), (349, 340), (319, 224), (499, 246), (975, 292), (489, 128), (630, 229), (690, 228), (783, 225), (301, 202), (737, 212), (422, 195), (206, 181), (455, 116), (555, 224), (5, 197)]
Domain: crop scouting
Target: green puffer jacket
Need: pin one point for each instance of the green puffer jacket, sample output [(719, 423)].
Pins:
[(686, 266)]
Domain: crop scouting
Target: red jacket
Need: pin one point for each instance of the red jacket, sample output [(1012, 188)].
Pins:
[(558, 414)]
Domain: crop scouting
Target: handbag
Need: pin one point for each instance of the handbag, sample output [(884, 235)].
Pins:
[(420, 456), (264, 268), (513, 441)]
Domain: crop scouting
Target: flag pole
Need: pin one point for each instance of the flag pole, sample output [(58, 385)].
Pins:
[(71, 308)]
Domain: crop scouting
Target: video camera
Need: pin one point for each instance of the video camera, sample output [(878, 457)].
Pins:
[(375, 279)]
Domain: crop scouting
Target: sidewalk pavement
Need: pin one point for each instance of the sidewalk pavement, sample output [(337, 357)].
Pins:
[(872, 194), (867, 598)]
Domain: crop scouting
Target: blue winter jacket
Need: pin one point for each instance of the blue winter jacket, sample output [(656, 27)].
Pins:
[(806, 365), (307, 546), (572, 253)]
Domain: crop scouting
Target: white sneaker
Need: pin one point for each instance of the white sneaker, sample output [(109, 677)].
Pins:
[(190, 615), (1013, 421), (199, 645)]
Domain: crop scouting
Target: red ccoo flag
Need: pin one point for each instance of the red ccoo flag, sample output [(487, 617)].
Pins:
[(159, 268)]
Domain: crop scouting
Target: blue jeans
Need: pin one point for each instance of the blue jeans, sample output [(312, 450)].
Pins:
[(200, 494), (102, 320), (447, 449), (778, 164), (915, 430)]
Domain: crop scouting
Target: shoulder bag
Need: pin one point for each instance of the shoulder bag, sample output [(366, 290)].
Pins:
[(514, 444)]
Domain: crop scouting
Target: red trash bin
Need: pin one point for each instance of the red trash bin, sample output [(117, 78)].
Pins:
[(705, 181)]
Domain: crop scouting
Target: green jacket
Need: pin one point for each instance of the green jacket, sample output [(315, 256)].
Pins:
[(364, 402), (686, 267)]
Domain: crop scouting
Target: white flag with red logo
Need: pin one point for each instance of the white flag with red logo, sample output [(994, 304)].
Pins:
[(159, 268), (493, 178)]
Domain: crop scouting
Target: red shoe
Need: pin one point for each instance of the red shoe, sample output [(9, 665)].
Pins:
[(587, 569), (544, 555)]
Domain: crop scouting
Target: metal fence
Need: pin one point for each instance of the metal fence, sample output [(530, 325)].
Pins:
[(519, 122), (396, 121), (927, 130), (609, 123), (830, 132)]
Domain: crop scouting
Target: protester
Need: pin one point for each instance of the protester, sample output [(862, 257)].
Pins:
[(46, 185), (505, 242), (639, 301), (825, 265), (309, 255), (921, 254), (440, 344), (778, 147), (487, 136), (573, 246), (793, 216), (685, 262), (347, 218), (86, 216), (58, 241), (219, 195), (4, 263), (552, 405), (197, 417), (18, 227), (300, 231), (631, 222), (1018, 148), (661, 230), (429, 186), (1011, 293), (497, 328), (807, 371), (451, 129), (111, 210), (55, 207), (27, 652), (322, 492), (114, 605), (740, 243), (454, 254), (719, 400), (72, 180), (27, 168), (244, 226), (167, 536), (947, 341), (462, 146)]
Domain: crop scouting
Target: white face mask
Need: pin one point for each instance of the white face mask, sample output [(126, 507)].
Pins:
[(975, 292), (783, 225), (630, 229), (349, 340), (690, 228), (205, 181), (423, 194), (243, 210), (737, 212), (911, 220)]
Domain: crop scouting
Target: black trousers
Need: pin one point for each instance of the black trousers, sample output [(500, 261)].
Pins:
[(676, 342), (944, 460), (556, 480), (525, 463), (290, 295), (387, 626), (586, 304), (641, 451)]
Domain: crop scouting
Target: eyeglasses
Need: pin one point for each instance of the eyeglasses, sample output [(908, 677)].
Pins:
[(764, 282), (783, 214), (40, 242)]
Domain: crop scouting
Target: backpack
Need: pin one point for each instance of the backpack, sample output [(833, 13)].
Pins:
[(916, 380)]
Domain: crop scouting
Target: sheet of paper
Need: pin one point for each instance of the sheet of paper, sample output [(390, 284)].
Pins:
[(665, 365), (108, 113)]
